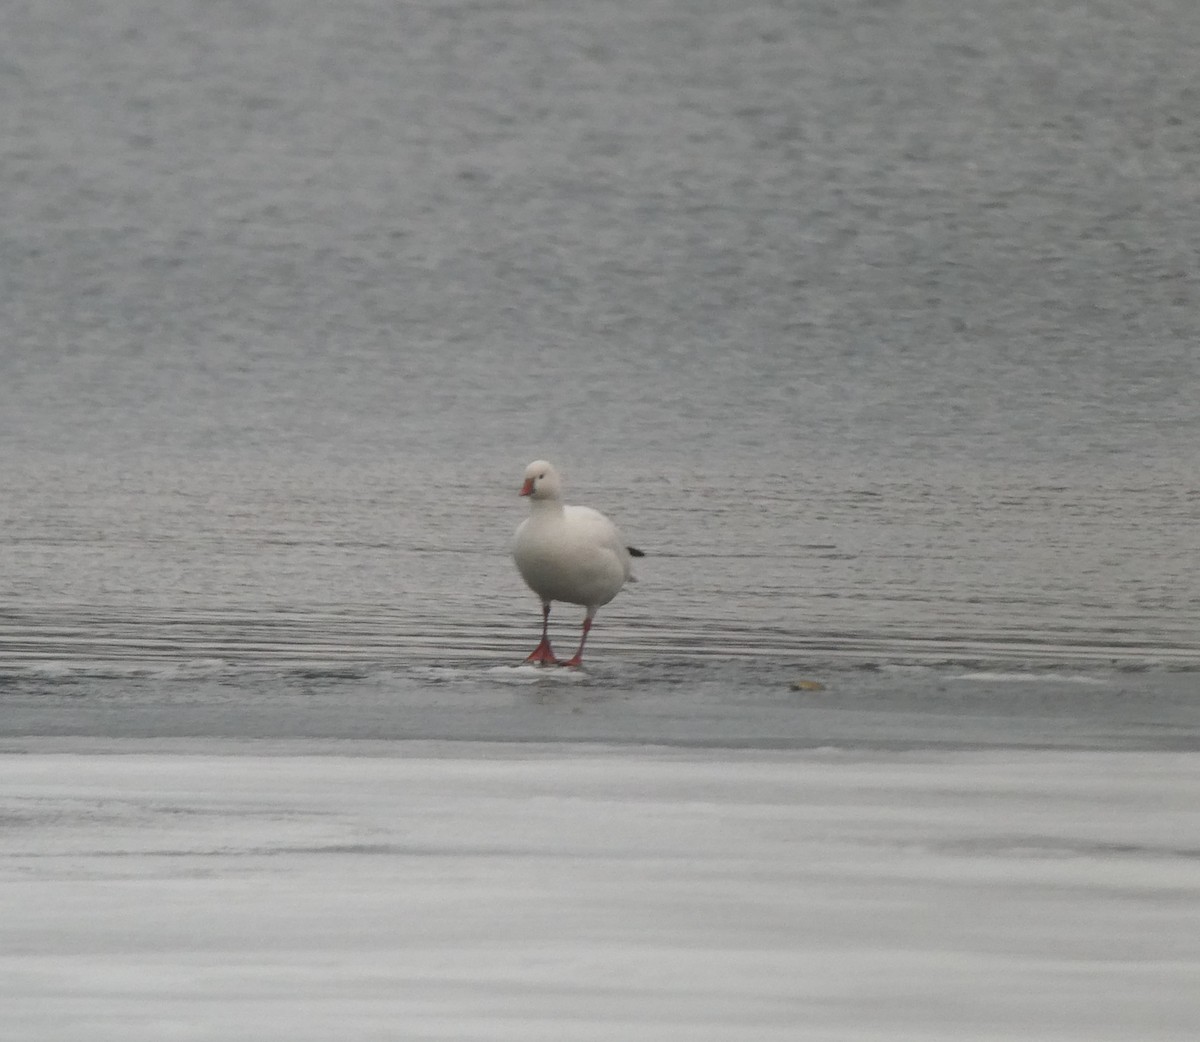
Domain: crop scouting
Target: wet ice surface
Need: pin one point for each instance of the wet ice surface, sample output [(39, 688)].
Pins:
[(372, 890), (767, 703)]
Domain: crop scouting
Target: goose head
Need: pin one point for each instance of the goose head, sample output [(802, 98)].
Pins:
[(541, 481)]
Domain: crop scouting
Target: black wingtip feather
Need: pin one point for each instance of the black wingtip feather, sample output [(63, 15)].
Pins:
[(634, 551)]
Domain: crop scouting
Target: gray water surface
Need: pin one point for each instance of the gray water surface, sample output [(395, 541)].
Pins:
[(874, 324)]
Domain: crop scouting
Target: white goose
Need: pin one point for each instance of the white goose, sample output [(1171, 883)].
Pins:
[(567, 553)]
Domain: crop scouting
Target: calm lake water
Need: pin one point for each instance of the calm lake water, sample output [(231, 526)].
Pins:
[(874, 324)]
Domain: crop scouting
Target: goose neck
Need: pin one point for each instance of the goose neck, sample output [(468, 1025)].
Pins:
[(546, 507)]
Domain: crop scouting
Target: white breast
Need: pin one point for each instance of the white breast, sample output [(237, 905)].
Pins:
[(575, 554)]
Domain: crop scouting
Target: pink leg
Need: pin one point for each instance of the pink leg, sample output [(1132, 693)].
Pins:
[(542, 653), (577, 658)]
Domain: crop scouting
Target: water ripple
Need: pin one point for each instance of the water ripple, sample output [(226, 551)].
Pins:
[(193, 644)]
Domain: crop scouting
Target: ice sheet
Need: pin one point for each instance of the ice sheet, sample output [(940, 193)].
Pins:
[(474, 891)]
